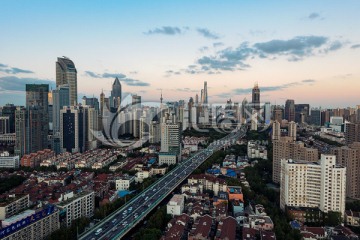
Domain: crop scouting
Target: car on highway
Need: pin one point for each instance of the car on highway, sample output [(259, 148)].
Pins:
[(98, 231)]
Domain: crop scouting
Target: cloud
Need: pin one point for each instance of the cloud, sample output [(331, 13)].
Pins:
[(122, 77), (244, 91), (12, 70), (134, 82), (207, 33), (203, 49), (113, 75), (12, 83), (166, 30), (313, 16), (134, 72), (185, 90), (236, 58), (308, 81), (218, 44), (355, 46), (299, 46), (105, 75)]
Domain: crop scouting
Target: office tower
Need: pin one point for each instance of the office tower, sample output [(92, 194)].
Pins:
[(185, 121), (292, 130), (91, 102), (244, 111), (256, 97), (202, 96), (301, 111), (66, 74), (60, 99), (315, 117), (38, 116), (352, 132), (278, 114), (115, 97), (267, 112), (349, 157), (21, 119), (136, 101), (72, 129), (276, 132), (171, 137), (136, 121), (4, 125), (91, 127), (205, 93), (9, 111), (287, 148), (313, 184), (290, 110), (102, 103)]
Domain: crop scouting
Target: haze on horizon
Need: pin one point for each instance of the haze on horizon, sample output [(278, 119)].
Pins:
[(307, 51)]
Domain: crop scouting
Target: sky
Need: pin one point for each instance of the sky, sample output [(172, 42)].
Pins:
[(303, 50)]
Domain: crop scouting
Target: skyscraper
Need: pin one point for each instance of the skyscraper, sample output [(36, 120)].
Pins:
[(136, 101), (205, 93), (9, 111), (66, 74), (290, 110), (315, 117), (60, 99), (256, 97), (301, 111), (72, 129), (115, 98), (38, 116), (21, 119)]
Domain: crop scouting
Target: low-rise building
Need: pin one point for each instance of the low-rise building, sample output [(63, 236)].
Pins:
[(81, 205), (176, 205), (208, 182), (7, 161), (352, 218), (226, 229), (167, 158), (123, 183), (256, 150)]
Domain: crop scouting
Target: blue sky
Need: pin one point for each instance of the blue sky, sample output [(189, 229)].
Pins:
[(304, 50)]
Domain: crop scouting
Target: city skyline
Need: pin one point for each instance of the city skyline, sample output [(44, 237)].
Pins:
[(305, 53)]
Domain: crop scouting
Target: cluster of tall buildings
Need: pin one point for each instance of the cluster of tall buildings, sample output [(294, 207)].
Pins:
[(53, 118)]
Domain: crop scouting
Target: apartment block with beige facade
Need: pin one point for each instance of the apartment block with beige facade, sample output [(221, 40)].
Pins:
[(319, 184), (287, 148), (349, 157)]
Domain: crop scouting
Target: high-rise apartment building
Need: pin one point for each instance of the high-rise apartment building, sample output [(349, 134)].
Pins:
[(290, 110), (278, 114), (287, 148), (66, 73), (320, 184), (37, 127), (115, 97), (292, 130), (276, 131), (349, 157), (352, 132)]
